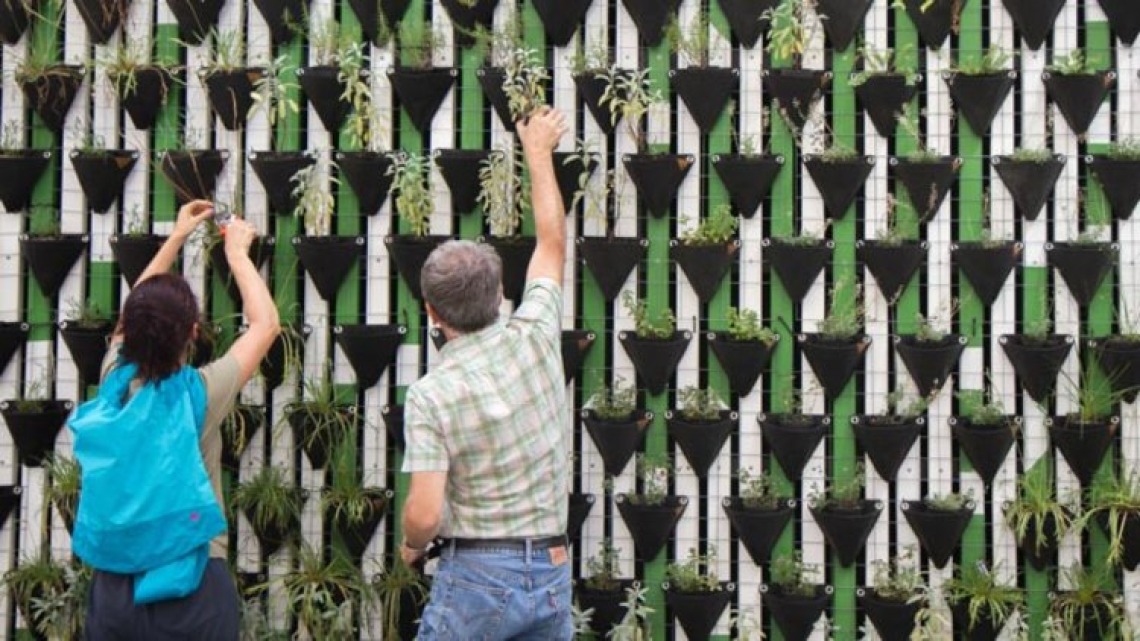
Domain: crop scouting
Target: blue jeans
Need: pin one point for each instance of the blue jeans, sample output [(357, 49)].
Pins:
[(498, 595)]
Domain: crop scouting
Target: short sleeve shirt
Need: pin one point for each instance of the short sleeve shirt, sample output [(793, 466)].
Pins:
[(222, 379), (492, 415)]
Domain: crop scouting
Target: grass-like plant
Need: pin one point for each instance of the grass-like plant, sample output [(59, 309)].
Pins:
[(271, 500), (983, 593)]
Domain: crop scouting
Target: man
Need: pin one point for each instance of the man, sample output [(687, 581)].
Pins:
[(487, 446)]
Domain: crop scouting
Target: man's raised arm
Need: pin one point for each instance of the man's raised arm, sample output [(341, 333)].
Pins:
[(540, 135)]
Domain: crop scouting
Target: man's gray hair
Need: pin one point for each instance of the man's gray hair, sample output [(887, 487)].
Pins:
[(463, 282)]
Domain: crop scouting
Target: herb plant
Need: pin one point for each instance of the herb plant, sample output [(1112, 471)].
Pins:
[(744, 325), (659, 328), (414, 203), (717, 229), (695, 574), (699, 403)]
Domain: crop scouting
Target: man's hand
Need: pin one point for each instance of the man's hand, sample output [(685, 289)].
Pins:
[(541, 132), (411, 556), (191, 215), (239, 236)]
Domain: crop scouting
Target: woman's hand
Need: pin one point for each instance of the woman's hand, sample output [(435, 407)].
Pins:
[(191, 215), (239, 236)]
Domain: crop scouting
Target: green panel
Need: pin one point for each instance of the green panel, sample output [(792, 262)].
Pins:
[(167, 127), (349, 219), (909, 304)]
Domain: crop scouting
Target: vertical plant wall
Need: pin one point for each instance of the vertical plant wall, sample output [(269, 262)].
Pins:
[(851, 290)]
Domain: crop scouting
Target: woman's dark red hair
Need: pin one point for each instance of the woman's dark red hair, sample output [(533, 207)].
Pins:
[(158, 321)]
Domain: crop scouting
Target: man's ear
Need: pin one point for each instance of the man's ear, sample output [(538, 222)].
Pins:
[(431, 313)]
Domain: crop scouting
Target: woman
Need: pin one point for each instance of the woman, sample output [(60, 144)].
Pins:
[(152, 409)]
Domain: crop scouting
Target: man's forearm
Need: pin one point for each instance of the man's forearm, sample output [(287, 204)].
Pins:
[(549, 214)]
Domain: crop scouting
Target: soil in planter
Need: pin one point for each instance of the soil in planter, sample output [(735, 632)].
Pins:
[(883, 97), (893, 620), (985, 446), (698, 612), (13, 335), (938, 531), (21, 170), (847, 530), (839, 182), (758, 529), (560, 18), (1083, 266), (366, 172), (1029, 183), (1084, 445), (833, 361), (34, 431), (102, 174), (610, 260), (1037, 363), (742, 361), (328, 259), (930, 363), (370, 349), (701, 441), (655, 359), (705, 266), (651, 526), (793, 439), (460, 170), (657, 177), (797, 265), (617, 440), (979, 98), (1079, 96), (748, 179), (986, 267), (887, 440)]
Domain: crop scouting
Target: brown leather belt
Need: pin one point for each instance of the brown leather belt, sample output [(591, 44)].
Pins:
[(508, 544)]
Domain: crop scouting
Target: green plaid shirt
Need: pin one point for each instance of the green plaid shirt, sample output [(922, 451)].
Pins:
[(492, 414)]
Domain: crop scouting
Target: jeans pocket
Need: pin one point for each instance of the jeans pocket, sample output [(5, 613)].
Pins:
[(465, 610)]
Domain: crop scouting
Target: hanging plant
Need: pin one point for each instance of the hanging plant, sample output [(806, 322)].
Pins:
[(695, 594), (615, 424), (1037, 356), (939, 521), (1118, 172), (707, 252), (101, 171), (979, 85), (896, 595), (1119, 357), (700, 425), (1038, 519), (320, 593), (15, 16), (51, 595), (327, 259), (371, 349), (887, 438), (353, 509), (795, 90), (656, 346), (62, 491), (13, 335), (334, 60), (140, 84), (838, 345), (272, 504), (930, 354), (228, 80), (192, 172), (884, 85), (238, 430), (758, 514), (743, 350), (502, 190), (1084, 436), (650, 17), (746, 18), (320, 420), (797, 260), (50, 254), (86, 332), (934, 19), (844, 517), (34, 420), (23, 167), (986, 263), (795, 602), (591, 67), (1090, 607), (602, 587), (368, 173), (378, 19), (652, 513), (1083, 263), (414, 207), (748, 175), (460, 169), (420, 86), (704, 89), (983, 431), (1078, 87), (1114, 502), (1123, 18), (793, 436), (1029, 175), (196, 19), (275, 170), (980, 601)]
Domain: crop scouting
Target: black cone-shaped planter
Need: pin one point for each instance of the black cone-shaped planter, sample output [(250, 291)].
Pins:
[(983, 628), (884, 96), (357, 535), (701, 440), (50, 258), (930, 363), (366, 172), (328, 259), (743, 361), (237, 433), (745, 18), (1083, 444), (591, 88), (1037, 361), (704, 265), (651, 526), (283, 17), (793, 439), (1030, 183), (833, 361), (491, 79), (705, 91), (893, 620), (133, 253), (272, 537), (324, 89), (421, 92), (193, 173), (9, 499), (467, 16), (13, 335), (698, 612), (15, 16), (515, 253), (393, 417), (1034, 19), (1040, 553), (88, 346), (939, 532), (927, 183), (887, 440), (795, 91), (797, 265), (1119, 358), (1124, 19), (370, 12), (617, 440), (657, 178), (892, 264), (758, 529), (52, 92), (21, 170), (606, 604), (934, 22), (231, 94), (986, 266), (1079, 96), (748, 179), (460, 170), (34, 431), (655, 359), (370, 349), (272, 367), (795, 615), (1083, 266), (1129, 526), (259, 252), (839, 181), (568, 170), (986, 446), (650, 17), (575, 344), (1120, 178), (102, 174), (315, 431), (147, 96), (577, 511), (276, 169), (844, 19), (560, 18), (409, 254), (611, 260), (980, 97), (847, 530), (195, 18)]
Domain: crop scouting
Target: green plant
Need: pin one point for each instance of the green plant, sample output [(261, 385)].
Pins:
[(654, 472), (692, 44), (346, 499), (791, 575), (952, 502), (983, 594), (789, 30), (908, 121), (744, 325), (11, 136), (320, 593), (895, 233), (63, 491), (122, 62), (315, 201), (716, 229), (327, 41), (87, 141), (994, 60), (390, 588), (329, 417), (659, 328), (363, 122), (87, 314), (501, 193), (602, 571), (274, 92), (417, 42), (899, 578), (1036, 509), (1090, 599), (1124, 149), (496, 46), (227, 51), (900, 409), (614, 403), (979, 408), (413, 202), (633, 625), (36, 392), (1076, 62), (699, 403), (590, 59), (846, 494), (1025, 154), (61, 613), (269, 499), (42, 52), (805, 238), (524, 82), (880, 62), (629, 95), (1093, 234), (1113, 498), (845, 314), (239, 425), (695, 574), (34, 578), (757, 491), (44, 222)]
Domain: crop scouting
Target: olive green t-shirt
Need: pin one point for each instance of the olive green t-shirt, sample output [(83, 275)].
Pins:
[(222, 379)]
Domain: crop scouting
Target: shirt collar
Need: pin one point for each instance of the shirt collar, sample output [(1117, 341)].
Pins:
[(466, 344)]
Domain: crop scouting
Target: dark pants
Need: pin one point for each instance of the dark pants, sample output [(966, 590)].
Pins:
[(210, 614)]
